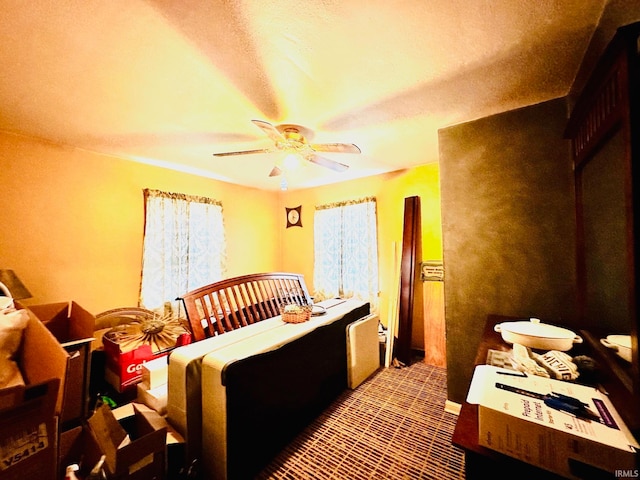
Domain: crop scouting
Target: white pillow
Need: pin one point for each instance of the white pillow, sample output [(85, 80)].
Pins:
[(12, 324)]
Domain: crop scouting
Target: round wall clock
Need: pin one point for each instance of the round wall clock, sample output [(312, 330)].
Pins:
[(294, 216)]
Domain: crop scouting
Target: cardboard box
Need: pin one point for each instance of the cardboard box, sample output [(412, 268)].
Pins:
[(155, 398), (69, 450), (78, 446), (29, 414), (73, 327), (29, 434), (176, 445), (155, 373), (124, 369), (38, 343), (514, 422), (134, 446)]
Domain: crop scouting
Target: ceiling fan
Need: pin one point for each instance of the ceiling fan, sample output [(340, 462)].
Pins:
[(293, 139)]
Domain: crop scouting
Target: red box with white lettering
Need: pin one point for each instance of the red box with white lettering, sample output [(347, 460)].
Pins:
[(124, 360), (124, 369)]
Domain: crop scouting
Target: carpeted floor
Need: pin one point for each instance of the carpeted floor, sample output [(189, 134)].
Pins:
[(393, 426)]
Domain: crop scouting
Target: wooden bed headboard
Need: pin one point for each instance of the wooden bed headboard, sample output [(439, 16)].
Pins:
[(240, 301)]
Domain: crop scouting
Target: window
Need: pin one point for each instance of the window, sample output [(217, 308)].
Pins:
[(346, 251), (184, 246)]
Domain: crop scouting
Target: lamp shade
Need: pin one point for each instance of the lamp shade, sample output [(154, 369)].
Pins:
[(11, 286)]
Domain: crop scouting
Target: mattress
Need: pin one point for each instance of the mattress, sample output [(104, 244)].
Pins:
[(258, 393), (184, 400), (363, 350)]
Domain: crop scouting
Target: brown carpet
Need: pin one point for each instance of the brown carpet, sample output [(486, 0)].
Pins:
[(393, 426)]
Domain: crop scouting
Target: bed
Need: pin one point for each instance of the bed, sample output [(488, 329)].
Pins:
[(236, 302), (259, 393), (240, 395)]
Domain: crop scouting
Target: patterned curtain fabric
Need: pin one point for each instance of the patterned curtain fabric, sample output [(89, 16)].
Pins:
[(184, 246), (346, 251)]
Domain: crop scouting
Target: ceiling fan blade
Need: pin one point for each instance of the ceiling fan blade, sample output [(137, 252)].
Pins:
[(271, 131), (325, 162), (335, 147), (275, 172), (242, 152)]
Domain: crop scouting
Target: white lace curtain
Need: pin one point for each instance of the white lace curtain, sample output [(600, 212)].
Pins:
[(184, 246), (346, 251)]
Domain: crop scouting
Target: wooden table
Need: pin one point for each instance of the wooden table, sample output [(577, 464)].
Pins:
[(482, 462)]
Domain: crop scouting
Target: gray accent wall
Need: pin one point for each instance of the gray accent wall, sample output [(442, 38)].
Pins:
[(508, 227)]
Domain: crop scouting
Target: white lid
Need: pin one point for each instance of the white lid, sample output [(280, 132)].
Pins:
[(535, 328)]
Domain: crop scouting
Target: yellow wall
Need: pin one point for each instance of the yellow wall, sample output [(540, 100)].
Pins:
[(72, 222), (390, 191)]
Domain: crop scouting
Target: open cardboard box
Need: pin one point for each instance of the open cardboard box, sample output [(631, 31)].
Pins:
[(28, 415), (73, 327), (134, 446), (175, 443), (41, 357), (77, 446)]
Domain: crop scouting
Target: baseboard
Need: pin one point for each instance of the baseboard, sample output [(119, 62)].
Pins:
[(417, 352), (452, 407)]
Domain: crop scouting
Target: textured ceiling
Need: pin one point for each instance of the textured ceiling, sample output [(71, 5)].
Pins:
[(172, 82)]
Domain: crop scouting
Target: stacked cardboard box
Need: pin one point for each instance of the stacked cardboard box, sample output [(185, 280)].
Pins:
[(73, 327), (29, 414), (153, 388)]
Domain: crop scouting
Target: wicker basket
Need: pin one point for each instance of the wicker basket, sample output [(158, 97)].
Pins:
[(295, 313)]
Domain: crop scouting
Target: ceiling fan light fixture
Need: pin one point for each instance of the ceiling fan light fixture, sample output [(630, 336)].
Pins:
[(291, 161), (293, 140)]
